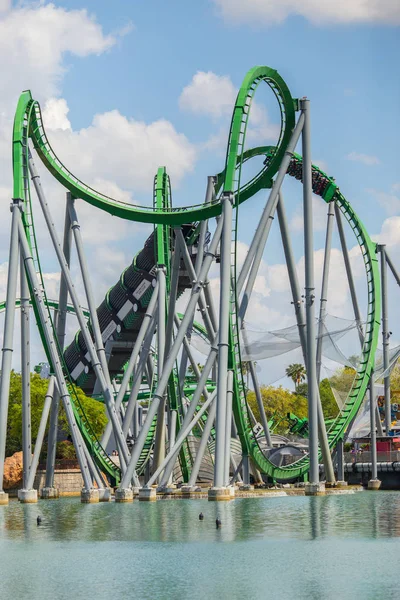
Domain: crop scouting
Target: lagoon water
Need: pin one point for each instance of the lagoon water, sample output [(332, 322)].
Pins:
[(345, 546)]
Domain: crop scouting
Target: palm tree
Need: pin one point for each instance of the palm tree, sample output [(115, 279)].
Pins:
[(297, 374)]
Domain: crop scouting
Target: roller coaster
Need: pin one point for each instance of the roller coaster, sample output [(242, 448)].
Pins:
[(133, 350)]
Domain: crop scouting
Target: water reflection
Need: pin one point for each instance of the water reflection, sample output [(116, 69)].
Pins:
[(363, 515)]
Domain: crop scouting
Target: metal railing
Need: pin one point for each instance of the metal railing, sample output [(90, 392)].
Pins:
[(365, 457)]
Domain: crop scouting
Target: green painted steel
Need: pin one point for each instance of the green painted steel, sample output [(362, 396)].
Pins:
[(28, 124), (330, 192)]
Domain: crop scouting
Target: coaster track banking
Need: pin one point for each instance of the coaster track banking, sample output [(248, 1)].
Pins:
[(28, 124)]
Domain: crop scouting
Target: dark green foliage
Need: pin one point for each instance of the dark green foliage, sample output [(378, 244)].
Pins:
[(94, 410)]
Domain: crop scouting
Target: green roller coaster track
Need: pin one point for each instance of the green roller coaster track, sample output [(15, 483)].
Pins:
[(28, 124)]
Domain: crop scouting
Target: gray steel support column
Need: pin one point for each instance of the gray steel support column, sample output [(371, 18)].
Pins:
[(385, 337), (175, 263), (223, 340), (135, 422), (352, 287), (201, 389), (210, 304), (48, 399), (8, 336), (183, 433), (301, 325), (246, 469), (159, 446), (193, 275), (309, 295), (169, 364), (374, 458), (263, 416), (63, 294), (391, 267), (324, 287), (95, 473), (52, 349), (292, 273), (106, 389), (138, 376), (98, 340), (349, 274), (203, 445), (26, 377), (108, 348), (147, 319), (61, 325), (256, 250), (228, 426), (340, 460)]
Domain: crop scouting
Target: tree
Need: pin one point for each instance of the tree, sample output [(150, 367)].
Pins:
[(329, 404), (278, 402), (297, 373), (395, 377), (328, 401), (191, 370), (94, 410)]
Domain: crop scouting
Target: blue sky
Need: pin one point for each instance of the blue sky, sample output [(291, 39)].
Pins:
[(129, 68)]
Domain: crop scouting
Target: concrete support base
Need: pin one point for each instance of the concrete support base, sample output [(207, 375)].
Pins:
[(91, 496), (147, 494), (3, 498), (27, 496), (189, 491), (340, 484), (374, 484), (314, 489), (167, 489), (49, 493), (246, 487), (123, 495), (330, 484), (104, 495), (220, 494)]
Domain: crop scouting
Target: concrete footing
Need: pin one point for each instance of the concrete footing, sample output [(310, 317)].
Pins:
[(340, 484), (123, 495), (314, 489), (91, 496), (104, 495), (167, 489), (3, 498), (49, 493), (246, 487), (374, 484), (27, 496), (147, 494), (189, 491), (220, 494)]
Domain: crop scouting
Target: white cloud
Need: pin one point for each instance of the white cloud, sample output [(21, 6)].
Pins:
[(5, 5), (55, 114), (209, 94), (123, 150), (366, 159), (33, 43), (390, 201), (115, 154), (215, 95), (390, 233), (327, 12)]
